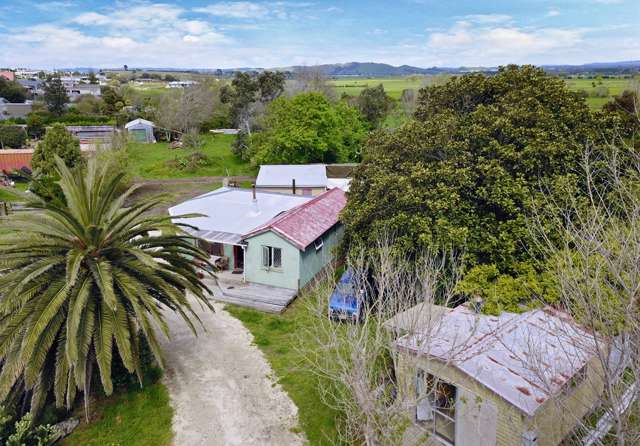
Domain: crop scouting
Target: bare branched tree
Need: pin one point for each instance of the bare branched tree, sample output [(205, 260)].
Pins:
[(597, 267), (356, 361), (186, 109), (311, 79)]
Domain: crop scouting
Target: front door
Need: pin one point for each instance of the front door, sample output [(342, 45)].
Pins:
[(238, 256)]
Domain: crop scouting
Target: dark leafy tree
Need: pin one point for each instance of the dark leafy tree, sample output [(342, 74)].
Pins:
[(92, 78), (12, 137), (57, 143), (374, 104), (247, 90), (12, 91), (627, 108), (55, 95), (472, 166), (271, 85), (113, 101)]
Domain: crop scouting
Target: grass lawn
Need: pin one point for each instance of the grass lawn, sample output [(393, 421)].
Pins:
[(136, 418), (149, 161), (278, 336), (8, 194)]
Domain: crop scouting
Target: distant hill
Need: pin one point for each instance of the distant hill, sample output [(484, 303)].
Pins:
[(373, 69)]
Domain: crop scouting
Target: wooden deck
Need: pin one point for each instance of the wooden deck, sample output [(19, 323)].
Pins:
[(261, 297)]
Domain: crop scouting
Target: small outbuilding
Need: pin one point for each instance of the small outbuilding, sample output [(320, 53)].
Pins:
[(296, 179), (141, 130), (471, 379)]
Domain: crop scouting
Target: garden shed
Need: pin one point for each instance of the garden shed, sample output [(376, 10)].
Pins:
[(141, 130)]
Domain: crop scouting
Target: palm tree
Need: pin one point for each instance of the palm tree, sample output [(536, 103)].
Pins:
[(83, 280)]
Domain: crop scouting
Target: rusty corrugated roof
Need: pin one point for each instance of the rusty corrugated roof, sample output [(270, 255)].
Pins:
[(303, 224), (524, 358)]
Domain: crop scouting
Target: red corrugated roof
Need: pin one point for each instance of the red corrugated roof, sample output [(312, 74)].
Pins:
[(14, 159), (305, 223)]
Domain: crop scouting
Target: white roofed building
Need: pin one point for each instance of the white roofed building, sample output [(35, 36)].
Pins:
[(298, 179)]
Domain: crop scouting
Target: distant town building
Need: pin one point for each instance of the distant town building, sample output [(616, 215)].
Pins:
[(34, 86), (93, 136), (82, 89), (181, 84), (10, 110)]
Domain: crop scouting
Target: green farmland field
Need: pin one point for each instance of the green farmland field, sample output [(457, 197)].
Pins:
[(394, 86)]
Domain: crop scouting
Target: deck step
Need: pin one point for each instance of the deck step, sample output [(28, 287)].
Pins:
[(261, 297)]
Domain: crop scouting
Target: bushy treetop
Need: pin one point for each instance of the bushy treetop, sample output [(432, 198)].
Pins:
[(308, 128), (482, 154)]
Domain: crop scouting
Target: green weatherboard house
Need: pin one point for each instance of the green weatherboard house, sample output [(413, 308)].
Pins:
[(266, 238)]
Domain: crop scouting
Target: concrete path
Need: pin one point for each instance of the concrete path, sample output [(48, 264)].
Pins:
[(221, 389)]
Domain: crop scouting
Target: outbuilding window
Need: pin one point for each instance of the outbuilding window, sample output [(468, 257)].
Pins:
[(271, 257)]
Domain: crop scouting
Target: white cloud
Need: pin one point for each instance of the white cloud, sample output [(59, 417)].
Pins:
[(487, 18), (553, 12), (54, 5), (377, 32), (281, 10), (487, 45), (235, 10)]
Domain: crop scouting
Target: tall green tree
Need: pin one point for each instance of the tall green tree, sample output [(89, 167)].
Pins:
[(247, 90), (57, 142), (12, 91), (83, 280), (481, 155), (374, 104), (309, 128), (92, 78), (113, 101), (55, 95)]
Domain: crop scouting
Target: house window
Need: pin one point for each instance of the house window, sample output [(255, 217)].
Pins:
[(271, 257), (436, 405), (318, 244)]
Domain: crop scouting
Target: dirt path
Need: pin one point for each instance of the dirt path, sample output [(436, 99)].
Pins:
[(221, 389)]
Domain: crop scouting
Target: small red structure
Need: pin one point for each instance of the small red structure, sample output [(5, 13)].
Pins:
[(8, 75), (15, 159)]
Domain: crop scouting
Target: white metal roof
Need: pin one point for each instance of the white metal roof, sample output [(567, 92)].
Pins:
[(524, 358), (137, 122), (231, 212), (281, 175), (341, 183)]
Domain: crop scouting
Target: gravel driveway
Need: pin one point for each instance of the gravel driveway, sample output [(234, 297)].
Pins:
[(221, 389)]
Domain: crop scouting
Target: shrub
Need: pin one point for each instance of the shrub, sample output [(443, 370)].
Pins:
[(12, 137), (23, 432), (35, 125)]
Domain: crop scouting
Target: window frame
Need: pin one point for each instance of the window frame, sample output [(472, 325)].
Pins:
[(269, 256)]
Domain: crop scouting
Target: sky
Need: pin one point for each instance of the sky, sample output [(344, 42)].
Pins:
[(232, 34)]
